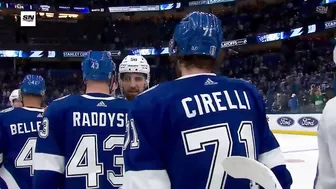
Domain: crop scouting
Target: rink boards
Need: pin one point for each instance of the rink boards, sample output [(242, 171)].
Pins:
[(301, 124)]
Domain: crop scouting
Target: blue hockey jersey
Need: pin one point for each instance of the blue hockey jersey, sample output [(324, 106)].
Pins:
[(18, 135), (80, 143), (180, 132)]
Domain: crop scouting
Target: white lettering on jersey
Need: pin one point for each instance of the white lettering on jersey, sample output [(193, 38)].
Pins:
[(99, 119), (216, 101), (23, 128), (44, 131)]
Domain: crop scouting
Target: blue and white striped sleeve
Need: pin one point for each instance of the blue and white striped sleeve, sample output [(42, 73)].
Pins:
[(269, 152), (49, 158), (142, 151)]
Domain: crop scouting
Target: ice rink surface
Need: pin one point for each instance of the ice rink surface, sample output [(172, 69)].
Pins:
[(301, 156)]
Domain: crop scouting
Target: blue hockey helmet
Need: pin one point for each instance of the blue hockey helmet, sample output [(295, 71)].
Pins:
[(33, 84), (98, 65), (197, 34)]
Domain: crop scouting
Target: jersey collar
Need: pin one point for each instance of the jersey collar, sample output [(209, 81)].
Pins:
[(33, 109), (97, 96), (194, 75)]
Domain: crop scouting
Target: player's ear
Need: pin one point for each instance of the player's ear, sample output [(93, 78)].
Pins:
[(180, 62)]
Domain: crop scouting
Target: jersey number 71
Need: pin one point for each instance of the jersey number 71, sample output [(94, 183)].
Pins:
[(195, 141)]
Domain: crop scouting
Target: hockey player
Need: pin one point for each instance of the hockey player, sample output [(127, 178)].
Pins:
[(18, 133), (80, 141), (134, 76), (180, 132), (326, 167), (14, 98)]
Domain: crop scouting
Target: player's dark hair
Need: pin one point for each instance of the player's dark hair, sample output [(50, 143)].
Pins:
[(200, 61), (32, 95)]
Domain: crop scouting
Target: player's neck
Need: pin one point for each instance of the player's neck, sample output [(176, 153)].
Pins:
[(98, 89), (32, 104), (193, 71)]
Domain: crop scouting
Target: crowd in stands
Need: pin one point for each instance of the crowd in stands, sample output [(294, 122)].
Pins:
[(301, 80), (290, 83), (156, 30)]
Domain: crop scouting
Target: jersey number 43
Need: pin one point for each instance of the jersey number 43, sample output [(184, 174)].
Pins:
[(84, 161)]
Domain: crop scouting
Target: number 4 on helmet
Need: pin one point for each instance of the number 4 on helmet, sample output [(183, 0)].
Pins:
[(245, 168)]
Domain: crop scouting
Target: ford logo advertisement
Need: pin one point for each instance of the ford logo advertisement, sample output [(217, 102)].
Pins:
[(308, 122), (285, 121)]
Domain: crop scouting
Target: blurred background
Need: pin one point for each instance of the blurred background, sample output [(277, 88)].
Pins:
[(284, 47)]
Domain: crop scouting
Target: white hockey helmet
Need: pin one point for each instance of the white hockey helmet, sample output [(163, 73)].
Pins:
[(134, 64), (15, 95)]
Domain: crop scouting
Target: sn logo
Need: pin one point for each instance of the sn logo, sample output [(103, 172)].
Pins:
[(28, 18)]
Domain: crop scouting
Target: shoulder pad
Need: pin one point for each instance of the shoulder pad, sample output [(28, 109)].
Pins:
[(7, 110), (63, 97), (150, 89)]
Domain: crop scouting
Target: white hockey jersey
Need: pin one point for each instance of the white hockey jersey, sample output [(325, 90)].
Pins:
[(326, 134)]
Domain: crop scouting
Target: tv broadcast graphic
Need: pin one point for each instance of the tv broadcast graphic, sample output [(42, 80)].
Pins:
[(28, 18), (118, 94)]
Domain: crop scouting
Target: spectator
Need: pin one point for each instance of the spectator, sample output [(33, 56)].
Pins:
[(293, 103), (276, 106), (317, 99)]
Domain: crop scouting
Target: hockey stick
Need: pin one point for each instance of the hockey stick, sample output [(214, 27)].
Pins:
[(246, 168)]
